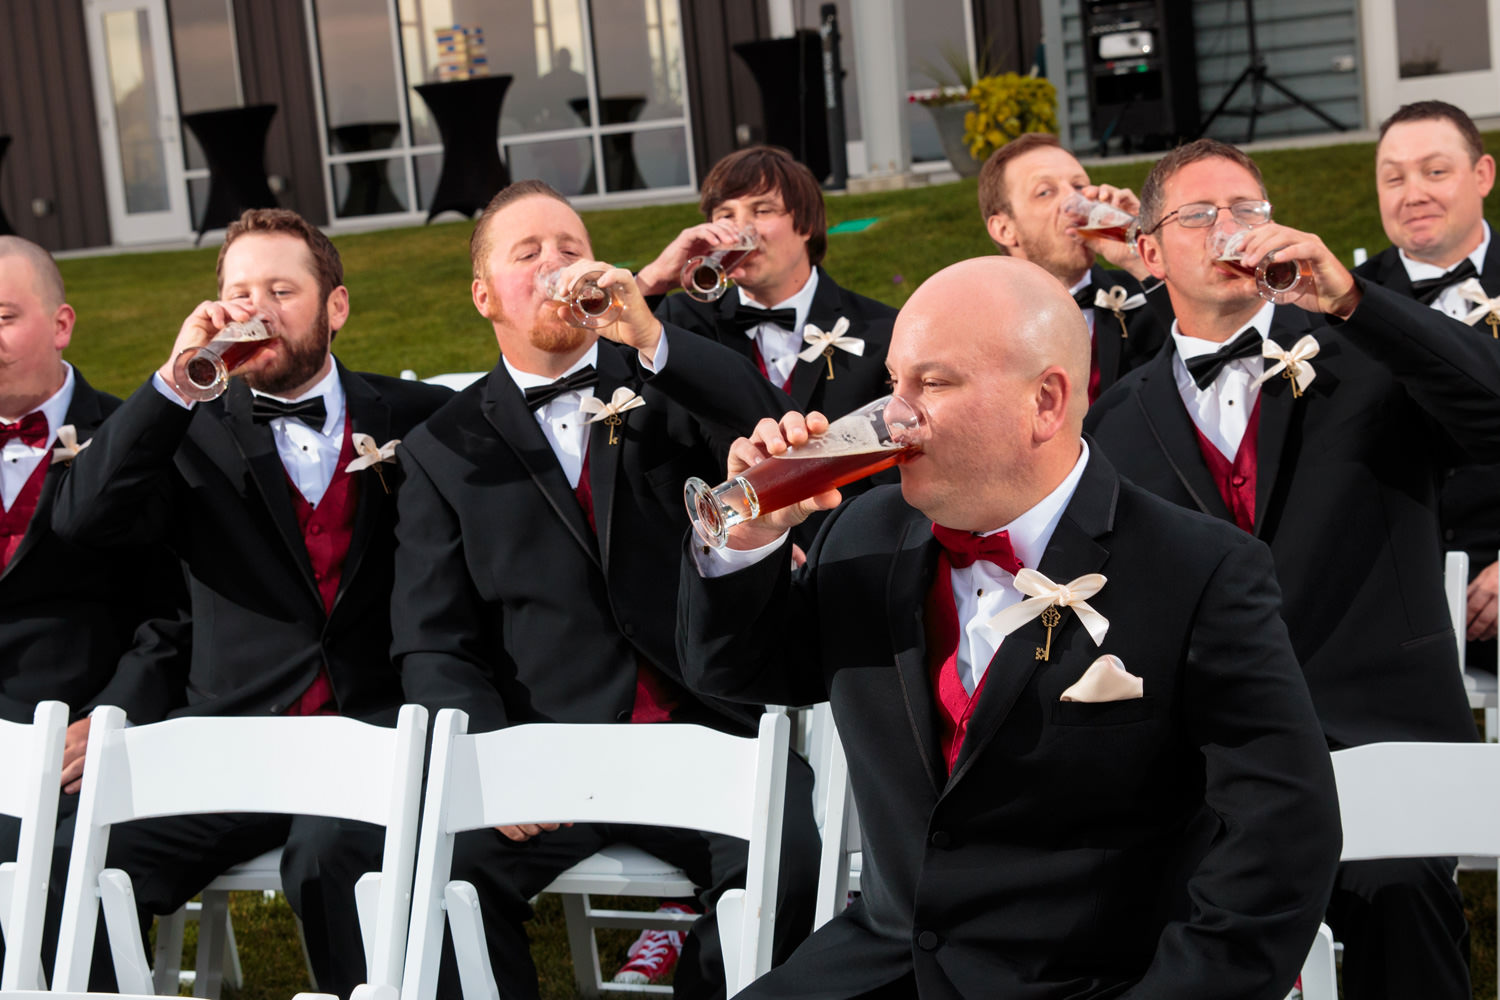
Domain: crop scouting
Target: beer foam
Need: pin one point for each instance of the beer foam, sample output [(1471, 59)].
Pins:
[(846, 437), (252, 329)]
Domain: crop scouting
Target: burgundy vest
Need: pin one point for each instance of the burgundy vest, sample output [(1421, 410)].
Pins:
[(760, 363), (15, 521), (954, 704), (1236, 480)]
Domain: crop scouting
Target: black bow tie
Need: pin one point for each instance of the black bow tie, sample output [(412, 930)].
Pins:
[(539, 396), (1206, 367), (747, 318), (1427, 290), (1084, 297), (311, 412)]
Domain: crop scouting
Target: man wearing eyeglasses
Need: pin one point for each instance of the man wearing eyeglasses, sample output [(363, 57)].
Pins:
[(1321, 426)]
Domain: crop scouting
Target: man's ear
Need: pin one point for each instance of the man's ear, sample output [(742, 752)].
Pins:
[(1002, 229), (480, 290), (1053, 391), (1150, 252), (338, 308)]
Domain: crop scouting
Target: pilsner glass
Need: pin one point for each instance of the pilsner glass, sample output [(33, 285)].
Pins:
[(706, 277), (1098, 220), (858, 444), (202, 373), (1277, 281), (589, 306)]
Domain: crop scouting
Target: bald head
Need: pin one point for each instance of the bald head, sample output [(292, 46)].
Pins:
[(46, 279)]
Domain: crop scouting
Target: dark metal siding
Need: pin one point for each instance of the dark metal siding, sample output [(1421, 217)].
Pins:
[(47, 108), (721, 90), (1013, 30)]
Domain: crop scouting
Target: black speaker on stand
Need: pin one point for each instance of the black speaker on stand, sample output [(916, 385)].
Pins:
[(1142, 71), (789, 74)]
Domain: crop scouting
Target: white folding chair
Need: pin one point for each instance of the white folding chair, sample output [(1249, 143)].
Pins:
[(583, 773), (838, 822), (1360, 256), (1479, 684), (453, 380), (29, 788), (316, 766), (1409, 800)]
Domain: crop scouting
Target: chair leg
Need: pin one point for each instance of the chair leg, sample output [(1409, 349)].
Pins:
[(234, 976), (168, 957), (212, 924), (587, 976), (312, 978)]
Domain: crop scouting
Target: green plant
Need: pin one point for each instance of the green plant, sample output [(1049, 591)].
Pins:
[(954, 78), (1006, 106)]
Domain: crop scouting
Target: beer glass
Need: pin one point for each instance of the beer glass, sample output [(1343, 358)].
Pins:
[(202, 373), (858, 444), (589, 306), (706, 277), (1277, 281), (1101, 221)]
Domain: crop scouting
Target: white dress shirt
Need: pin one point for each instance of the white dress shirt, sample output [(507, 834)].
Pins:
[(778, 348), (980, 591), (1449, 301), (18, 460), (1222, 411)]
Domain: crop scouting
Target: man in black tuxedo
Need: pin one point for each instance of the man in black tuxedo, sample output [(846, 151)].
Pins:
[(1432, 175), (1321, 426), (287, 543), (1040, 821), (1022, 188), (536, 565), (75, 624)]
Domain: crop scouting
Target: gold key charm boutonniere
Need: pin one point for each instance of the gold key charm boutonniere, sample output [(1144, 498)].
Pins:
[(1294, 365), (1485, 308), (822, 343), (1118, 301), (1046, 600), (372, 456), (623, 399), (68, 446)]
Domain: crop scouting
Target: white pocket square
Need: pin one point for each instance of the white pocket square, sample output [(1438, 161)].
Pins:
[(1106, 679)]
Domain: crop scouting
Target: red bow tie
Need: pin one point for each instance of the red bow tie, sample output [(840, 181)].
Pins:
[(31, 429), (965, 547)]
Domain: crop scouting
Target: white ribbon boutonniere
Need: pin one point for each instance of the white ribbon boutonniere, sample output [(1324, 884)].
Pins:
[(372, 455), (1485, 308), (1294, 365), (622, 400), (67, 439), (822, 343), (1044, 601), (1118, 301)]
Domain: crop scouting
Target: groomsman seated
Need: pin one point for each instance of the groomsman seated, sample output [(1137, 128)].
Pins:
[(1022, 189), (540, 528), (1084, 757), (278, 501), (1321, 426), (75, 624), (1432, 176)]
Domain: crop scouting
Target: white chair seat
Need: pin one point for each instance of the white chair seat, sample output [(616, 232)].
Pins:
[(618, 869)]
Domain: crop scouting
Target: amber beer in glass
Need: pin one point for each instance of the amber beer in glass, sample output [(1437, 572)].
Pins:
[(202, 373), (874, 437), (589, 306), (1277, 281), (706, 277), (1098, 220)]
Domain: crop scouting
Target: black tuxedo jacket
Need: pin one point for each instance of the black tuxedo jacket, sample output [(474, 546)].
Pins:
[(857, 379), (69, 615), (1180, 845), (1346, 496), (1121, 350), (1470, 509), (506, 605), (209, 484)]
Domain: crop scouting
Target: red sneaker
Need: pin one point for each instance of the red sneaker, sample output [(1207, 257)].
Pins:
[(654, 954)]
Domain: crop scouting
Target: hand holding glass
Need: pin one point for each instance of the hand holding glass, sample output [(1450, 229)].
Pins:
[(706, 276), (1277, 281), (202, 373), (589, 306), (858, 444), (1102, 221)]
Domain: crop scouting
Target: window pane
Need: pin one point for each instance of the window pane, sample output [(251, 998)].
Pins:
[(1452, 37), (133, 83), (566, 164), (369, 187), (359, 69), (661, 157), (207, 78), (638, 48)]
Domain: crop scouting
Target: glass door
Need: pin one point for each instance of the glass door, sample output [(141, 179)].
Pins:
[(139, 131), (1416, 50)]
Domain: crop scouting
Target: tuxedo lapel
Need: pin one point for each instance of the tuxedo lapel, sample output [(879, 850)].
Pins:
[(1277, 410), (1173, 432), (910, 579), (1072, 552), (728, 334), (1392, 273), (615, 370), (1107, 331), (505, 409), (1489, 278), (823, 313), (252, 449), (367, 413)]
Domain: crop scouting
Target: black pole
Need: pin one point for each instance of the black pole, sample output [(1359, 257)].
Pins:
[(833, 96)]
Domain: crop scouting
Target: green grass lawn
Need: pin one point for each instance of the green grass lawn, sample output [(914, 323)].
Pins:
[(409, 291)]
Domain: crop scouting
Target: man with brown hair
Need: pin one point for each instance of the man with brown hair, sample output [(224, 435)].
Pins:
[(287, 550), (1022, 188), (1321, 426)]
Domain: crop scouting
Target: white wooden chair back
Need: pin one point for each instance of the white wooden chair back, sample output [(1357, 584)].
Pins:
[(315, 766), (29, 787), (838, 822), (586, 774), (1456, 589), (453, 380)]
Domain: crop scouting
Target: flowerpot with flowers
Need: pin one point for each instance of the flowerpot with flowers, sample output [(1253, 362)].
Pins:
[(1007, 105), (950, 108)]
